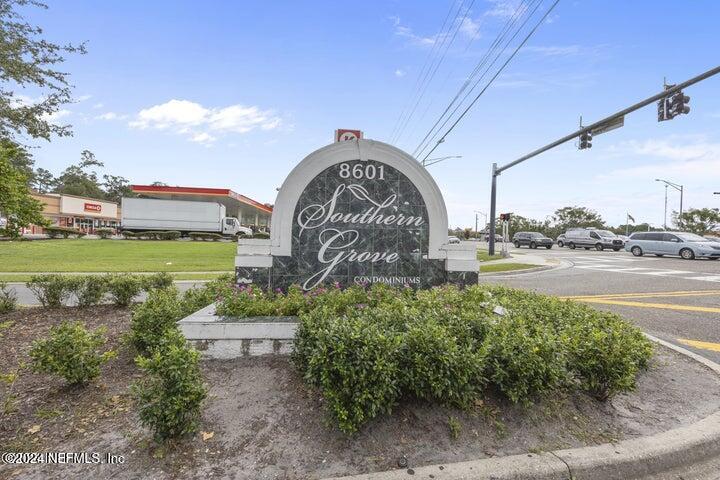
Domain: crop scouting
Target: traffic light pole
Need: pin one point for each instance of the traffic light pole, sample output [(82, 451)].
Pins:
[(493, 191), (496, 171)]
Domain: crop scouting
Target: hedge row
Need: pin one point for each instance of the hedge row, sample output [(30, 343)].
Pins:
[(54, 290), (65, 232), (365, 350), (152, 235)]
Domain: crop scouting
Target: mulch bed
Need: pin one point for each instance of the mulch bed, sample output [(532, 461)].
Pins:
[(261, 421)]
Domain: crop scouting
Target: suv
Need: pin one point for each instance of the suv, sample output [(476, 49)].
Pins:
[(561, 240), (686, 245), (593, 238), (532, 240)]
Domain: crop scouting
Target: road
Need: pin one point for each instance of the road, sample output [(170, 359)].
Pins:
[(673, 299)]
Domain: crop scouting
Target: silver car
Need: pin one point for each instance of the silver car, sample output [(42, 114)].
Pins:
[(686, 245)]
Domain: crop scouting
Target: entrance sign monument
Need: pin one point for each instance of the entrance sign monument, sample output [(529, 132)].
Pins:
[(357, 212)]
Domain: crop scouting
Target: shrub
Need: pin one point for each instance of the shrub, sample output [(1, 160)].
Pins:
[(104, 232), (525, 359), (196, 298), (261, 235), (157, 281), (8, 299), (129, 234), (65, 232), (197, 235), (152, 319), (51, 290), (71, 352), (149, 235), (170, 235), (88, 289), (606, 354), (170, 395), (354, 363), (123, 288), (436, 367)]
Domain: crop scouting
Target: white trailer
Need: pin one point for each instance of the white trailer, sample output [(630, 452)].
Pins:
[(145, 214)]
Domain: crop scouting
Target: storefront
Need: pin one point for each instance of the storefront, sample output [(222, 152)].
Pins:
[(85, 214)]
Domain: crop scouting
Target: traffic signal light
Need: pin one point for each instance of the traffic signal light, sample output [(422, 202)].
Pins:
[(679, 104), (585, 141), (663, 110), (505, 217)]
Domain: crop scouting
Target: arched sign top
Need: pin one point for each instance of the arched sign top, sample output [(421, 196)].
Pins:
[(375, 153)]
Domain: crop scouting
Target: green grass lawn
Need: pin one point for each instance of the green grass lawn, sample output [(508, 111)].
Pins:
[(505, 267), (484, 256), (79, 255)]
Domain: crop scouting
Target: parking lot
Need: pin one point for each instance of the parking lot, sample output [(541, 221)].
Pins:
[(674, 299)]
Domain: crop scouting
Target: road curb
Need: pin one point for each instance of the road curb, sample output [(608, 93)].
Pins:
[(640, 457), (541, 268)]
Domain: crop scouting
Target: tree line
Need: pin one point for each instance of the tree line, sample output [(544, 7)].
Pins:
[(702, 221)]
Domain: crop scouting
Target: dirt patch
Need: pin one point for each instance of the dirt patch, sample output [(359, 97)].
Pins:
[(261, 421)]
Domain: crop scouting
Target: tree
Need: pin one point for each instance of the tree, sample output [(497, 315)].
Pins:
[(18, 156), (159, 184), (698, 220), (577, 217), (117, 187), (16, 203), (43, 181), (79, 179), (28, 61)]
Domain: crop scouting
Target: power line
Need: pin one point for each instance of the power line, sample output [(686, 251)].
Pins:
[(433, 135), (422, 70), (483, 60), (527, 37), (437, 65)]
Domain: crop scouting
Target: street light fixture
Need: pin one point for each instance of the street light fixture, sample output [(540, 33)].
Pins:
[(679, 188), (432, 161)]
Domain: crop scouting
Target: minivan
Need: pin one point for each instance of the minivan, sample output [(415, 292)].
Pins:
[(593, 238), (686, 245)]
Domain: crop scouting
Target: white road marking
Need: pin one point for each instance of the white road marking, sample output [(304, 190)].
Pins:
[(620, 265)]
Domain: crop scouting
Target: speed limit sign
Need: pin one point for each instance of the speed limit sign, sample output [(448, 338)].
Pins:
[(343, 135)]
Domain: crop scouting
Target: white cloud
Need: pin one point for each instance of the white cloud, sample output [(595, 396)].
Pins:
[(198, 123), (98, 105), (400, 73), (110, 116), (502, 8), (555, 50), (690, 159), (82, 98), (55, 116), (407, 33), (202, 137), (470, 28)]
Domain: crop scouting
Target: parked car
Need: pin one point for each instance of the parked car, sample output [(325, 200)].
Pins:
[(498, 238), (593, 238), (532, 240), (624, 238), (561, 240), (453, 240), (687, 245), (712, 239)]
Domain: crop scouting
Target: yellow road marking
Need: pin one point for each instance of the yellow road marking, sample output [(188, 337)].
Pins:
[(715, 347), (667, 306), (679, 293)]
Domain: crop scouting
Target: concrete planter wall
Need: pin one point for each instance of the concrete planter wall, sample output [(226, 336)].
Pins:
[(221, 337)]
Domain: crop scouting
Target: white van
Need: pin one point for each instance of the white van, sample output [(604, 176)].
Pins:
[(588, 238)]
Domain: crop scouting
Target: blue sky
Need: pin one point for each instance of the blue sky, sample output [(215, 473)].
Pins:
[(234, 94)]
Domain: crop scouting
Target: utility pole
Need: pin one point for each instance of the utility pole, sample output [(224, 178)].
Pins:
[(604, 125), (477, 212)]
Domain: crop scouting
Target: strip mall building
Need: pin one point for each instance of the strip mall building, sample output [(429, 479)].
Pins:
[(85, 214), (88, 214)]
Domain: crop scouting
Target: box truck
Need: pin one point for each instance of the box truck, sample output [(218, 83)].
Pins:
[(144, 214)]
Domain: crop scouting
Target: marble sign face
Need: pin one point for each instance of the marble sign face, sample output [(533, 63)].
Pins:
[(359, 222)]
